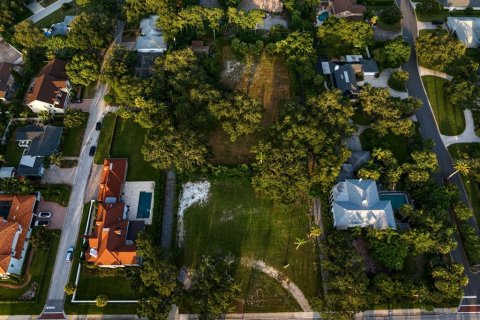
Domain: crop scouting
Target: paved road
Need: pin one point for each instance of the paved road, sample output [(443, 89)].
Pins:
[(61, 271), (429, 130), (48, 10)]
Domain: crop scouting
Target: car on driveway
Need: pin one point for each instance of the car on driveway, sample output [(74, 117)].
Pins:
[(91, 153), (42, 223), (44, 215), (69, 256)]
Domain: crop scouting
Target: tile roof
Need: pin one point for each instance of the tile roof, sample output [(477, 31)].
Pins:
[(47, 87), (112, 179)]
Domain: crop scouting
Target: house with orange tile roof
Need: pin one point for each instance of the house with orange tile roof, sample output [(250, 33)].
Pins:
[(16, 215), (111, 243)]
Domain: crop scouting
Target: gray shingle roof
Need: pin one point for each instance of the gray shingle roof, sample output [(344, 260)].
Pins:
[(44, 140), (344, 78)]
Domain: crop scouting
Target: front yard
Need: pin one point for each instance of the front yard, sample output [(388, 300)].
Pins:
[(236, 221), (105, 138), (72, 140), (450, 118), (41, 271)]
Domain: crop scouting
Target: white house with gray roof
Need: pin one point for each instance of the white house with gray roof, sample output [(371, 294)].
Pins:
[(356, 203), (151, 38), (467, 29)]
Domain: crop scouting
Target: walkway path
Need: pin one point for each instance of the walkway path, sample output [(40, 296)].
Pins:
[(167, 223), (467, 136), (281, 278), (48, 10), (428, 26), (27, 272), (429, 72), (382, 82)]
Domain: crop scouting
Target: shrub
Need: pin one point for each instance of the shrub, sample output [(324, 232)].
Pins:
[(74, 118), (108, 98), (398, 79), (69, 288), (101, 300), (471, 243), (391, 15), (462, 212)]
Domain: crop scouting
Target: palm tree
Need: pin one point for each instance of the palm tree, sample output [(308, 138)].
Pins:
[(300, 242), (461, 166)]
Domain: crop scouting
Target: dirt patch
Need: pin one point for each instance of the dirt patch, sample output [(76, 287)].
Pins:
[(264, 78)]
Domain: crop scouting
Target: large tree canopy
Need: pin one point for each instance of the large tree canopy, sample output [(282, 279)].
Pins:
[(28, 35), (438, 50), (90, 31), (338, 32), (83, 69)]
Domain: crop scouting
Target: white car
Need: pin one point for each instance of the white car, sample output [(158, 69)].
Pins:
[(44, 215), (69, 254)]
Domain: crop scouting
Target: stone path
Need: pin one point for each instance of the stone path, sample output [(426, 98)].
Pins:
[(382, 82), (281, 278), (56, 175), (467, 136), (428, 72), (84, 105), (383, 35)]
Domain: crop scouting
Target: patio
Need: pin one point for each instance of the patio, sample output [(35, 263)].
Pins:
[(132, 195)]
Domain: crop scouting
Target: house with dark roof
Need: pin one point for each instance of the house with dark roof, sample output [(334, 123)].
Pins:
[(7, 82), (50, 90), (16, 215), (38, 142), (112, 243), (60, 28), (348, 9), (343, 76)]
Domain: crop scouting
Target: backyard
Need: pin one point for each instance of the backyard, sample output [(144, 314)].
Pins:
[(234, 220), (13, 152), (41, 269), (264, 78), (450, 118)]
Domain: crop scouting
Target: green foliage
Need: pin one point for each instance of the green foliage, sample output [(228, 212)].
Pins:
[(438, 50), (70, 289), (450, 281), (40, 238), (108, 98), (338, 33), (28, 35), (74, 118), (471, 242), (463, 94), (389, 249), (244, 20), (16, 186), (9, 11), (84, 69), (428, 6), (120, 62), (242, 48), (396, 52), (101, 300), (90, 31), (391, 14), (398, 80), (462, 212)]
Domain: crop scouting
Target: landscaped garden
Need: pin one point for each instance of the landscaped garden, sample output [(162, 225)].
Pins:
[(234, 220), (450, 118), (41, 270)]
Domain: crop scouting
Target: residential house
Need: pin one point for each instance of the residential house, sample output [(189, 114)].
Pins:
[(60, 28), (362, 66), (7, 172), (16, 215), (49, 91), (7, 82), (356, 203), (272, 6), (348, 9), (112, 243), (467, 30), (151, 38), (39, 142), (343, 76), (199, 47), (453, 5)]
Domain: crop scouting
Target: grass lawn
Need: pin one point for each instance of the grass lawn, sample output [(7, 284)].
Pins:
[(443, 14), (127, 143), (105, 138), (41, 270), (72, 140), (88, 92), (450, 118), (13, 154), (59, 193), (58, 16), (264, 78), (462, 151), (114, 285), (234, 220)]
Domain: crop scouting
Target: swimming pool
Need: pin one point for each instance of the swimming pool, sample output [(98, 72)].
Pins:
[(323, 16), (144, 204), (397, 199)]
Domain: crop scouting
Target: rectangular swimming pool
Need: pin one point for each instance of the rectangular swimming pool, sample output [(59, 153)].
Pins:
[(397, 199), (144, 204)]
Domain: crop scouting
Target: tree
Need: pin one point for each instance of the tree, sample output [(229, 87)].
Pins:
[(90, 31), (16, 186), (118, 63), (389, 249), (391, 14), (427, 6), (101, 300), (463, 94), (450, 281), (45, 116), (28, 35), (70, 289), (83, 69), (55, 159), (240, 116), (438, 50), (9, 12), (396, 52), (461, 166), (398, 80), (74, 118), (40, 238), (338, 32), (244, 20), (462, 212)]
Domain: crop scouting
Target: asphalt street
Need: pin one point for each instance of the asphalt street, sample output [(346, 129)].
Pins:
[(429, 130)]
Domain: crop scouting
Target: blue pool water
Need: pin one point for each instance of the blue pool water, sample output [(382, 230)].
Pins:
[(144, 204), (323, 16), (398, 199)]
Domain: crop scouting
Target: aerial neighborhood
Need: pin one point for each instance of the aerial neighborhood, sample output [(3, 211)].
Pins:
[(240, 159)]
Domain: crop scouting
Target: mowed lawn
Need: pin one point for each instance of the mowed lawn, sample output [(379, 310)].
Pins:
[(235, 221), (72, 140), (450, 118), (127, 143), (264, 78), (105, 138), (93, 283)]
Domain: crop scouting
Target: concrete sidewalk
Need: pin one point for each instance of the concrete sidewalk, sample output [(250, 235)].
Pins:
[(467, 136)]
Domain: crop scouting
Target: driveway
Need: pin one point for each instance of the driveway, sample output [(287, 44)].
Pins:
[(35, 7), (39, 15), (467, 136), (84, 105), (9, 54), (382, 82), (58, 213)]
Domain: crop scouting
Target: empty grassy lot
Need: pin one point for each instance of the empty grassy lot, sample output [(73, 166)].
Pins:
[(105, 138), (264, 78), (450, 118), (236, 221), (41, 271)]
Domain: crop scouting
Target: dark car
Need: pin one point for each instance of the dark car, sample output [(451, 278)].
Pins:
[(77, 100), (98, 126), (42, 223), (437, 22), (92, 151)]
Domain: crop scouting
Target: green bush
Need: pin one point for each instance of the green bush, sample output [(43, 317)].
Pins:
[(108, 98), (471, 243), (398, 79), (391, 15)]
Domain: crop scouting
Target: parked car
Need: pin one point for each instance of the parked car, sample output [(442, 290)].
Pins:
[(42, 223), (69, 254), (98, 126), (44, 215), (76, 100), (91, 153), (437, 22)]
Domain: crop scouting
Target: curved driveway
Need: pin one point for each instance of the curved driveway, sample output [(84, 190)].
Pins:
[(429, 130)]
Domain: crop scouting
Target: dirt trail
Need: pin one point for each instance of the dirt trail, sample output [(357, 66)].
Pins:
[(281, 278)]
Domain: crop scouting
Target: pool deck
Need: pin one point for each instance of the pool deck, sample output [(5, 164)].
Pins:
[(131, 196)]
